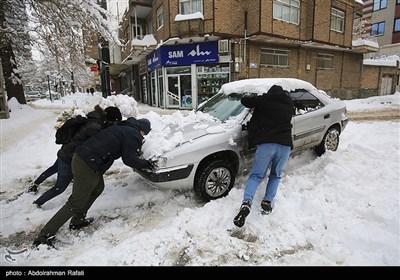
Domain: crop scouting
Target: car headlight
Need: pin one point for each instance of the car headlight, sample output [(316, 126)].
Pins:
[(162, 162)]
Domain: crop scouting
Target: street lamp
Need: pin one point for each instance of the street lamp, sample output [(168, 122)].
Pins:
[(48, 84)]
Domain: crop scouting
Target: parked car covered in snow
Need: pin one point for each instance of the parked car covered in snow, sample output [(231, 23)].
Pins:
[(215, 150)]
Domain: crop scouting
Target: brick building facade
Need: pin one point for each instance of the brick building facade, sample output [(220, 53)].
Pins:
[(305, 39)]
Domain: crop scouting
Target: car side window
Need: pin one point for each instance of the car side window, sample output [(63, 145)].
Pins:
[(304, 101)]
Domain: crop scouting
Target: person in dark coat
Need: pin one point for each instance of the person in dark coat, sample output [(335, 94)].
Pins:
[(272, 115), (90, 161), (96, 121)]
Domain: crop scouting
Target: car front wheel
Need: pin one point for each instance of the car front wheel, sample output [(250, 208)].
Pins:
[(329, 143), (214, 180)]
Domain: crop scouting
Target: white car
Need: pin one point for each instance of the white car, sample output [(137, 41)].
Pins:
[(214, 152), (32, 95)]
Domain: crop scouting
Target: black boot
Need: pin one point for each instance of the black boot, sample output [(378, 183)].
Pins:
[(244, 211), (33, 188), (47, 240), (85, 223), (266, 207)]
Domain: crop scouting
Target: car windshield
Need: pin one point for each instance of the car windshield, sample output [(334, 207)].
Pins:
[(223, 106)]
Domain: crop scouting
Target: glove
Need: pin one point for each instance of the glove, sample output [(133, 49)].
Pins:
[(151, 164)]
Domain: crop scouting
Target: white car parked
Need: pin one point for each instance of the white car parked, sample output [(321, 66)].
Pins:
[(217, 150), (32, 95)]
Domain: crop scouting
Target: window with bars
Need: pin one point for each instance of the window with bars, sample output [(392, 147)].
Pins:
[(274, 57), (187, 7), (337, 20), (324, 61), (287, 10)]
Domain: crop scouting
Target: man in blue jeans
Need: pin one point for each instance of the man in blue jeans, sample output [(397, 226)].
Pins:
[(272, 115)]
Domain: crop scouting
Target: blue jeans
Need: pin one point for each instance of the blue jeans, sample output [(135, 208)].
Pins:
[(47, 173), (64, 177), (267, 154)]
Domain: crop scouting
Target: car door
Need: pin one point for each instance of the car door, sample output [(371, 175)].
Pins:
[(310, 121)]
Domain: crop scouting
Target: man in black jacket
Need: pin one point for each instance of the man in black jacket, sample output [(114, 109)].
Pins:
[(272, 117), (96, 121), (90, 161)]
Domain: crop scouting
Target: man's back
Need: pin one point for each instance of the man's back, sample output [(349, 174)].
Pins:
[(272, 117)]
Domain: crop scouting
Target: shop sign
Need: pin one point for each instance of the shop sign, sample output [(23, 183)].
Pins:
[(194, 53)]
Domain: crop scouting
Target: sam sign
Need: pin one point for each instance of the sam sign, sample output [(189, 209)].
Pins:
[(176, 55)]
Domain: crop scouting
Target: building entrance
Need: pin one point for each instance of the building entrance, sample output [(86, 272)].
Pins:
[(179, 88)]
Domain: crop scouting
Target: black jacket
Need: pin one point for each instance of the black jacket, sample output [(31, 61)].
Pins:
[(271, 118), (122, 140), (91, 127)]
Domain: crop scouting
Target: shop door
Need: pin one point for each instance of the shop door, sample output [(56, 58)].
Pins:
[(179, 92), (173, 95)]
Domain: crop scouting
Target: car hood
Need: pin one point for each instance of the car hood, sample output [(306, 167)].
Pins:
[(193, 131)]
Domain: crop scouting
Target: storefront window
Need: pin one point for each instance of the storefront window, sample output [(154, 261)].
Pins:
[(210, 78)]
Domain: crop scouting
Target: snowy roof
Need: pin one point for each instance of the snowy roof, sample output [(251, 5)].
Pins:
[(364, 42), (390, 60), (262, 85)]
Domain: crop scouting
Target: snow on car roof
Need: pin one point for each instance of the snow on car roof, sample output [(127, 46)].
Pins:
[(262, 85)]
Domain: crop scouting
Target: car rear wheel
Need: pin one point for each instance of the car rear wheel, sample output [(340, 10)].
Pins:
[(329, 143), (214, 180)]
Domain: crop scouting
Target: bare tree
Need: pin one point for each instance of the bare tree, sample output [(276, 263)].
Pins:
[(52, 25)]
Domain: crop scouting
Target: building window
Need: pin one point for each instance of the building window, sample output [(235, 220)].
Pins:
[(187, 7), (137, 32), (274, 57), (379, 5), (287, 10), (397, 2), (324, 61), (160, 17), (337, 20), (396, 24), (378, 28)]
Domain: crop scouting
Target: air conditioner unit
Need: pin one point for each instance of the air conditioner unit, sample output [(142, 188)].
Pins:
[(224, 46)]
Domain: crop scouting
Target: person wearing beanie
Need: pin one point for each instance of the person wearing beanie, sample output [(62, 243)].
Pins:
[(89, 163), (113, 115), (144, 125)]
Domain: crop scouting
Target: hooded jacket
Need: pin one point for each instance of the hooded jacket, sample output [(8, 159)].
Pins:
[(272, 116), (118, 141)]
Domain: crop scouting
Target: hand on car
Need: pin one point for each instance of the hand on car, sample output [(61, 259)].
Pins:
[(151, 164)]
